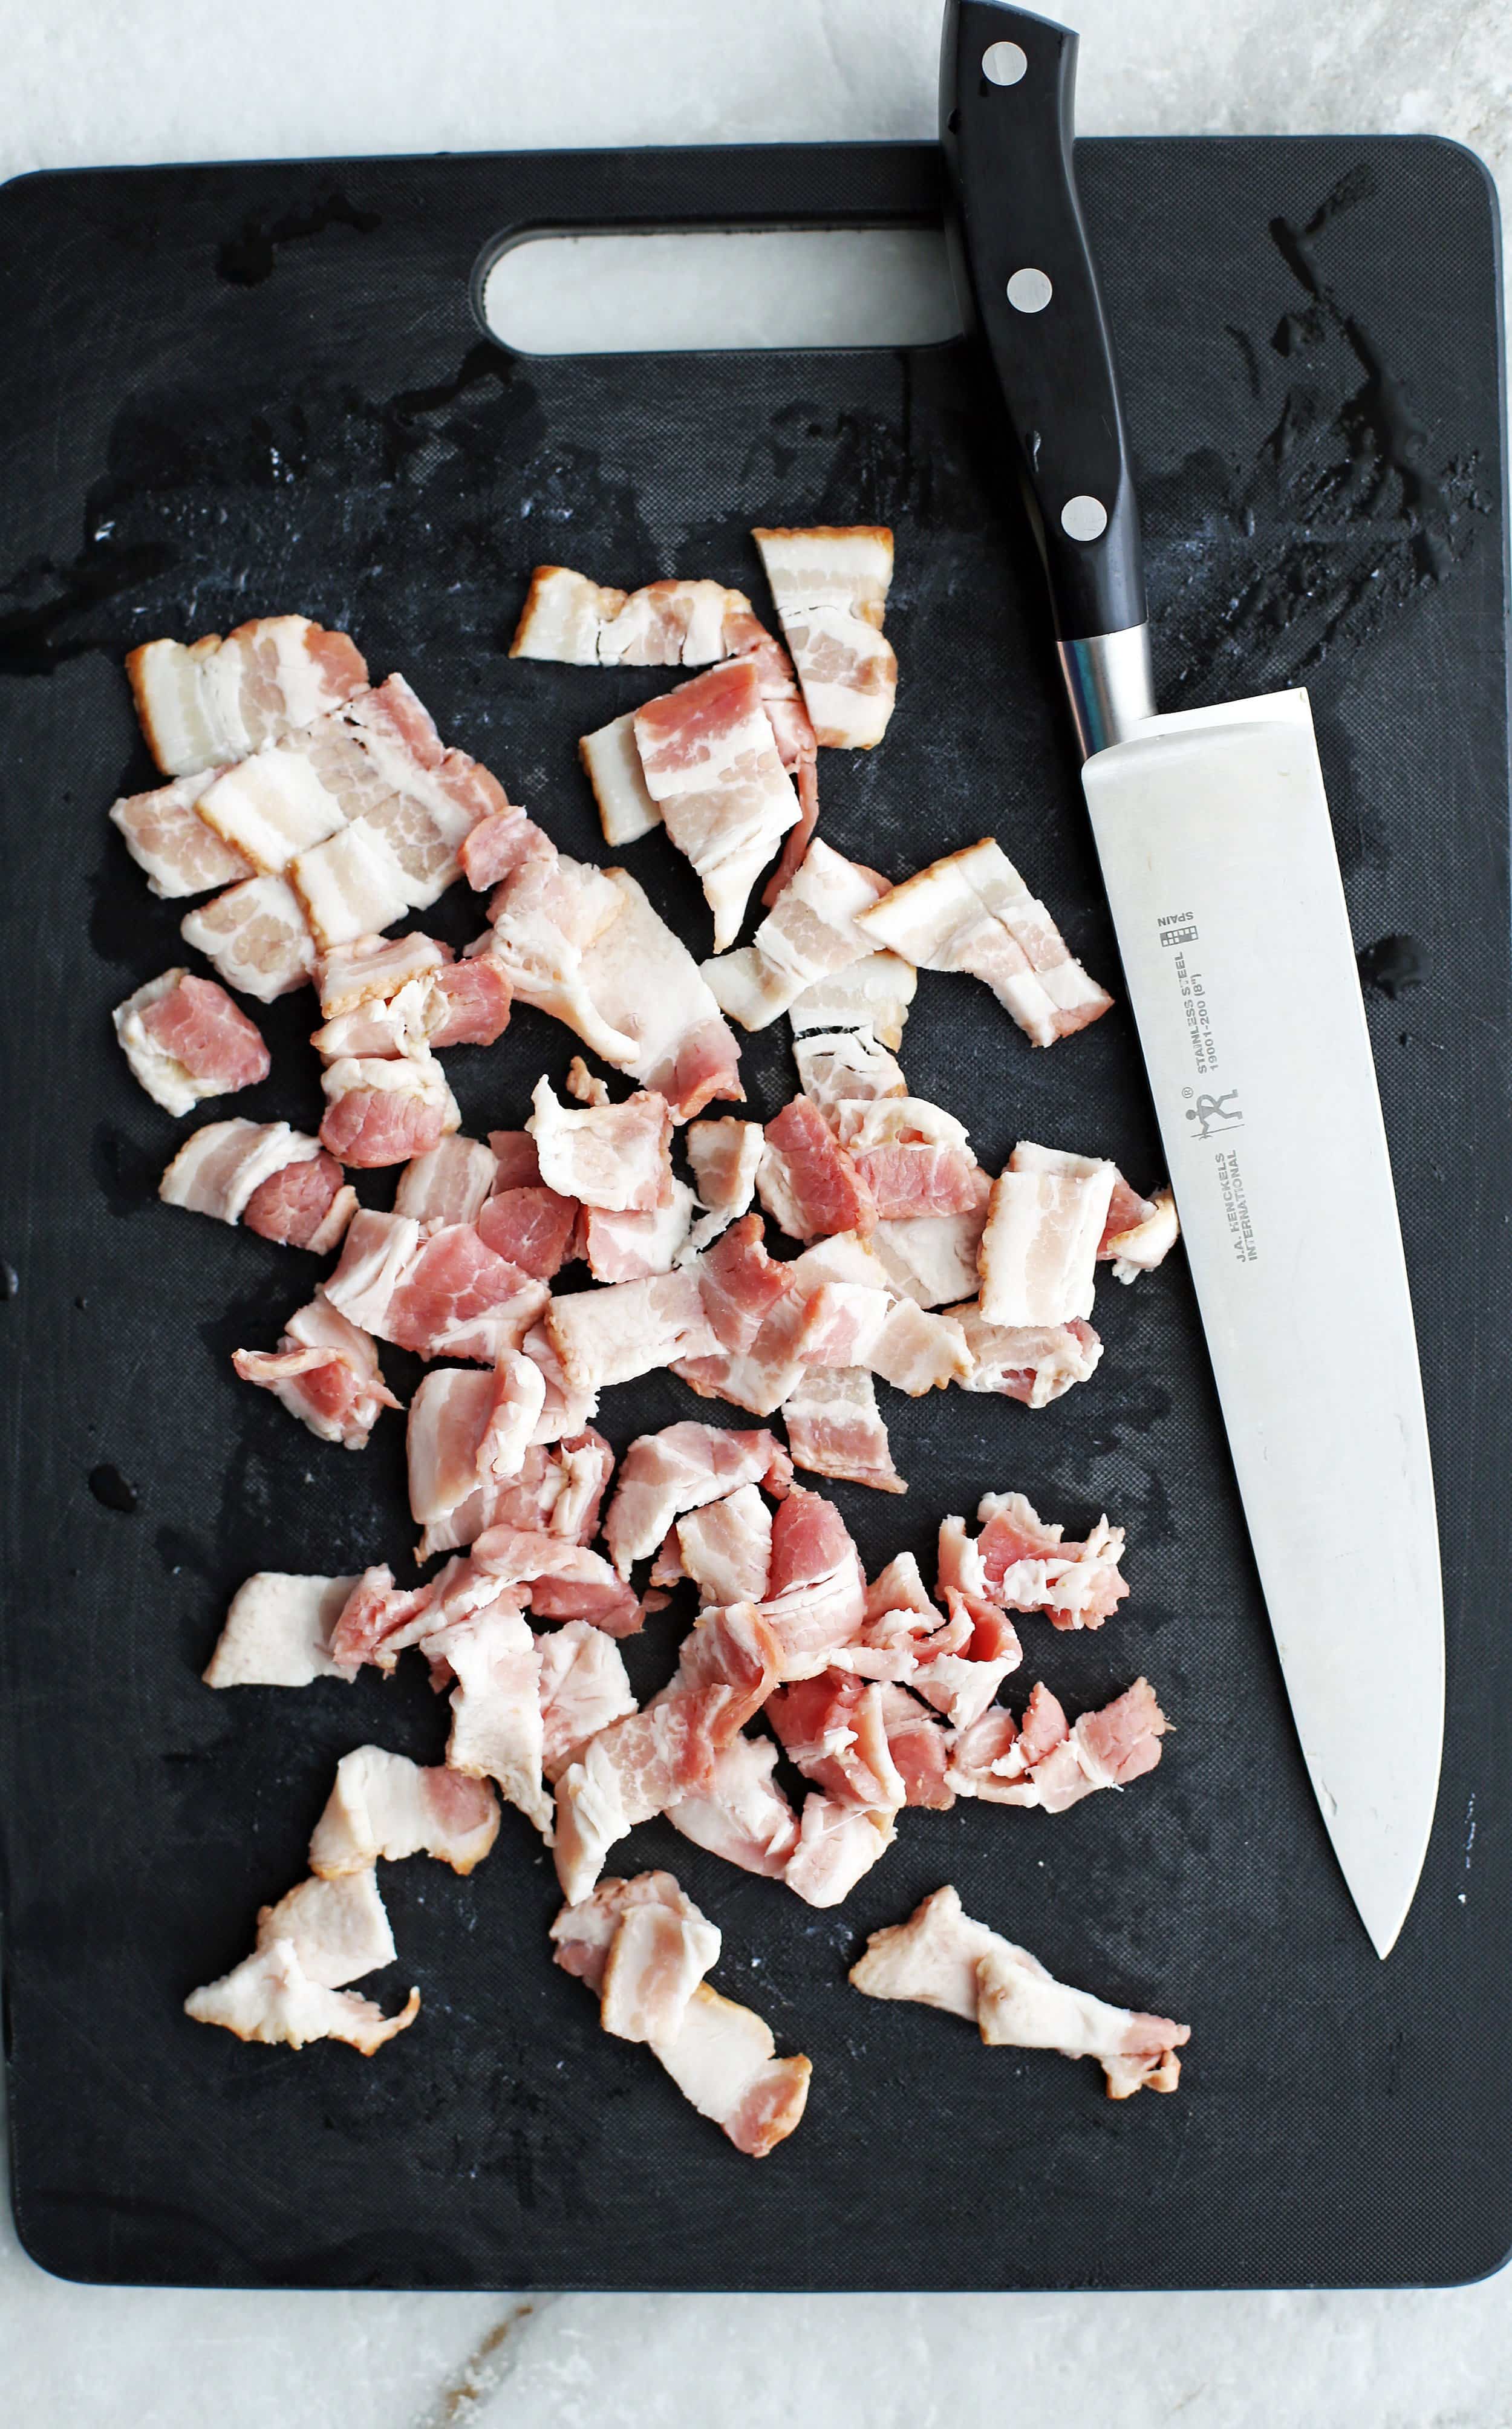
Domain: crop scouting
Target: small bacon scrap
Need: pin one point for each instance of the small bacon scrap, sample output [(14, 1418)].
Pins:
[(214, 701), (834, 1428), (944, 1959), (437, 1289), (279, 1632), (617, 1157), (679, 1469), (741, 1813), (830, 589), (383, 1804), (1138, 1233), (807, 1182), (1050, 1763), (186, 1040), (643, 1947), (450, 1184), (269, 1997), (812, 932), (725, 1156), (1028, 1567), (973, 912), (384, 1109), (325, 1372), (1034, 1364)]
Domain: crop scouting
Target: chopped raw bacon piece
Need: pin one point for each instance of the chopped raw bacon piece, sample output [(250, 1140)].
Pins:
[(496, 1704), (931, 1959), (514, 1413), (830, 586), (973, 912), (384, 1109), (278, 1632), (458, 1299), (338, 1928), (1039, 1248), (656, 1960), (626, 1247), (167, 837), (531, 1228), (449, 1183), (1034, 1364), (272, 806), (740, 1284), (612, 1156), (633, 1768), (378, 1620), (563, 615), (680, 1468), (491, 851), (920, 1750), (1028, 1567), (834, 1428), (583, 1687), (375, 970), (405, 1024), (255, 936), (871, 995), (269, 1997), (846, 1066), (1138, 1233), (1104, 1749), (944, 1959), (352, 885), (725, 1547), (558, 1577), (586, 946), (741, 1813), (837, 1843), (720, 2055), (383, 1804), (609, 1335), (809, 933), (912, 1157), (711, 766), (477, 1003), (612, 763), (325, 1372), (1146, 1243), (671, 624), (214, 701), (724, 2062), (806, 1179), (220, 1168), (725, 1156), (817, 1590), (186, 1040), (734, 1649)]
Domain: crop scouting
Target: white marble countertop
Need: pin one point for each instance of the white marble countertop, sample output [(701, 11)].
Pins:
[(87, 81)]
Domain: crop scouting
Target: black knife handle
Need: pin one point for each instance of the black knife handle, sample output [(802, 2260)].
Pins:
[(1028, 290)]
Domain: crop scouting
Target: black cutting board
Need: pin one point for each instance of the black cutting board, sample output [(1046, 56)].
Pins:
[(233, 390)]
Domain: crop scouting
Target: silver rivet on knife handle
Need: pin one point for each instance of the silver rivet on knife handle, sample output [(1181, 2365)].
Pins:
[(1109, 685)]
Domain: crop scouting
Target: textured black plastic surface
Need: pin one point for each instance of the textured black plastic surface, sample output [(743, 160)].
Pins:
[(240, 389)]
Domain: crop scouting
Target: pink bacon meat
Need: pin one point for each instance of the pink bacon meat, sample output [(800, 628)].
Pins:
[(679, 1469), (186, 1040), (973, 912), (266, 1177)]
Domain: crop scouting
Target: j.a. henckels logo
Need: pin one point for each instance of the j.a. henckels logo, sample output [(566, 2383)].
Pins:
[(1211, 1114)]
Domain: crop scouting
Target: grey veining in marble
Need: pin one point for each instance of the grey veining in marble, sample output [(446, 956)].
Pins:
[(87, 81)]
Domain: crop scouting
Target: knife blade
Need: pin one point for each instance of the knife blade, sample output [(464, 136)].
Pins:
[(1217, 850)]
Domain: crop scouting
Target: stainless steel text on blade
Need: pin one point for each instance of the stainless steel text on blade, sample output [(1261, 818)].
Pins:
[(1219, 859)]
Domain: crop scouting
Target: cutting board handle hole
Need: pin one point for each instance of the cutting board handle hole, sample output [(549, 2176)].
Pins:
[(696, 290)]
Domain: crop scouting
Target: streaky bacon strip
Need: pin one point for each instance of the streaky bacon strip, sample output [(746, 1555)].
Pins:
[(806, 1179), (215, 701), (662, 1475), (711, 766), (186, 1040)]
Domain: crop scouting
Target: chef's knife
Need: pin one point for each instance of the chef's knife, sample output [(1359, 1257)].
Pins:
[(1217, 851)]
